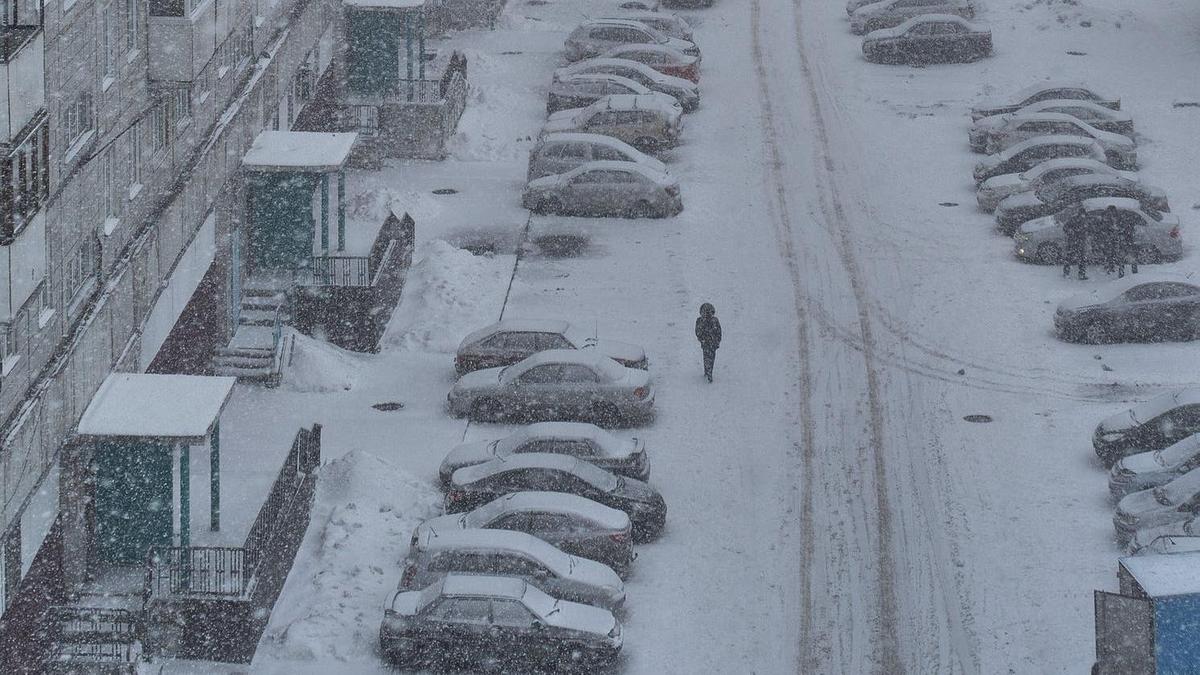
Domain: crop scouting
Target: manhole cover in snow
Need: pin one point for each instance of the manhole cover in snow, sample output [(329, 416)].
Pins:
[(512, 52), (445, 191), (978, 419), (535, 3), (947, 203), (388, 406), (1075, 53)]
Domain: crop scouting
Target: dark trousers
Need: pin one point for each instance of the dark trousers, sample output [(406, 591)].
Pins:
[(710, 355), (1130, 254)]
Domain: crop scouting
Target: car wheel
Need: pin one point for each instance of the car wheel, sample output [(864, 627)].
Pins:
[(646, 144), (641, 209), (1149, 255), (487, 409), (1095, 333), (606, 414), (549, 205), (1049, 254)]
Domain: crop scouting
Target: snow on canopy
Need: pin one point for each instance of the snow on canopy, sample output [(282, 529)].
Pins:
[(1166, 575), (181, 407), (310, 151)]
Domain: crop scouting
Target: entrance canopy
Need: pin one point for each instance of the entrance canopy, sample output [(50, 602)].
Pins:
[(299, 152), (180, 409)]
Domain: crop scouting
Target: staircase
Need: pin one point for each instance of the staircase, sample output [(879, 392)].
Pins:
[(94, 640), (252, 355)]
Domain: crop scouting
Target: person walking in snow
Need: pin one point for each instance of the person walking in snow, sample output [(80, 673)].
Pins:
[(1108, 239), (708, 332), (1127, 248), (1075, 232)]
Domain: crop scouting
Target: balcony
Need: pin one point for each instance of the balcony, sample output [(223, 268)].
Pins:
[(24, 81), (184, 36)]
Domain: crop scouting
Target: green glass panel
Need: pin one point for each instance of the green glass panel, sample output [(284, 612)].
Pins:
[(133, 499)]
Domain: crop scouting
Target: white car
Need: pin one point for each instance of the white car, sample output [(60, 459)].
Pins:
[(1147, 470), (993, 190), (1029, 153), (559, 153), (1155, 235), (1043, 91), (666, 23), (891, 13), (684, 91), (1178, 537), (580, 91), (648, 123), (1104, 119), (1174, 502), (596, 36), (624, 189), (1121, 151), (664, 59)]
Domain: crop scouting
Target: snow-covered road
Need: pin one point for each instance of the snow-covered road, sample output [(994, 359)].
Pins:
[(829, 509)]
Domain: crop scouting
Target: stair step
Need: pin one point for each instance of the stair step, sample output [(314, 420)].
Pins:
[(246, 352), (243, 373), (264, 301), (243, 361), (257, 317)]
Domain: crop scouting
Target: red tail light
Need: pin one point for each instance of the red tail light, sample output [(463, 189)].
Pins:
[(1175, 232), (410, 572), (454, 496), (619, 537), (641, 392)]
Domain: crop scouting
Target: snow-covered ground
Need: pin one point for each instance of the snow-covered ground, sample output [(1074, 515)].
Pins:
[(829, 509)]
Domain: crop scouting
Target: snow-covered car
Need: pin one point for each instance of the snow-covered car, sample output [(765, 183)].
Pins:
[(664, 59), (622, 189), (465, 620), (1054, 197), (570, 523), (596, 36), (1175, 502), (569, 383), (890, 13), (580, 91), (624, 456), (1104, 119), (929, 38), (684, 91), (671, 25), (511, 340), (853, 5), (1150, 425), (472, 486), (1178, 537), (1147, 470), (1029, 153), (648, 123), (1155, 235), (688, 3), (507, 552), (1120, 150), (1141, 309), (559, 153), (992, 191), (1043, 91)]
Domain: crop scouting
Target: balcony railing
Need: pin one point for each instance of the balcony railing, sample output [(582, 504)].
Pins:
[(194, 571), (13, 39)]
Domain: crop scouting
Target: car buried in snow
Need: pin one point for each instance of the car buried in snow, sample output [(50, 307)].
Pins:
[(588, 442), (596, 36), (648, 123), (1043, 91), (475, 485), (580, 91), (671, 25), (664, 59), (1146, 470), (1177, 537), (1104, 119), (683, 91), (1120, 151), (992, 191), (511, 340), (929, 38), (623, 189), (1029, 153), (1175, 502), (494, 622), (1149, 425), (1138, 309), (559, 153), (1049, 199), (511, 553), (1156, 236), (570, 523), (559, 383), (890, 13)]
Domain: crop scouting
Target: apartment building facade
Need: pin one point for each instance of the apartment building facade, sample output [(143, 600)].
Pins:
[(121, 195)]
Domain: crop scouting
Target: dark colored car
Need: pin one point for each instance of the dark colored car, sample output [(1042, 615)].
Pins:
[(473, 486), (460, 621), (1029, 153), (1043, 91), (1150, 425), (1137, 309), (1054, 197), (512, 340), (929, 38)]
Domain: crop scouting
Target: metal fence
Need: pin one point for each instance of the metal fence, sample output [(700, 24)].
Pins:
[(341, 271), (197, 571), (304, 456)]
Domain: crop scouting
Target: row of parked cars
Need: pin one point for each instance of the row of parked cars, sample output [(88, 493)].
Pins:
[(919, 31), (620, 99), (526, 568)]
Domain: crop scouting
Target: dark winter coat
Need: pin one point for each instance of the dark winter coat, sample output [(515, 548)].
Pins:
[(708, 332), (1075, 233)]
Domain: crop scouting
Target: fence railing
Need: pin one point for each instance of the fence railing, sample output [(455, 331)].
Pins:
[(304, 457), (341, 271), (198, 571), (94, 635)]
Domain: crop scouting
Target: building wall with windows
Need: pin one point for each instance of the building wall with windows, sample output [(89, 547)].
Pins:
[(124, 168)]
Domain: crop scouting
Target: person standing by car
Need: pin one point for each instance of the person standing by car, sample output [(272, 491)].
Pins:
[(708, 332), (1126, 243), (1075, 232), (1108, 239)]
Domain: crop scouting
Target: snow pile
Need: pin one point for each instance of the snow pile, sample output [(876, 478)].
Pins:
[(366, 509), (314, 366), (488, 130), (1072, 13), (449, 293)]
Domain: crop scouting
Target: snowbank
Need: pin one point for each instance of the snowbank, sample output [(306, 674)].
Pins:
[(328, 615), (317, 366), (449, 293)]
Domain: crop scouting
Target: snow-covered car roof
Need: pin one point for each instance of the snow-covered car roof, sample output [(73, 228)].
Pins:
[(480, 584), (585, 137), (1042, 168), (655, 102), (1034, 89), (537, 460), (1052, 139), (518, 325), (1107, 113), (1112, 289), (624, 23), (927, 18), (660, 177), (616, 52), (593, 359), (495, 540), (558, 502), (579, 67), (564, 430), (578, 78), (1101, 203)]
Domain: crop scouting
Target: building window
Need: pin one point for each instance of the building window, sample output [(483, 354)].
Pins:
[(77, 118), (81, 266), (168, 7), (181, 105), (131, 25), (135, 156), (160, 126), (108, 41), (112, 201)]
